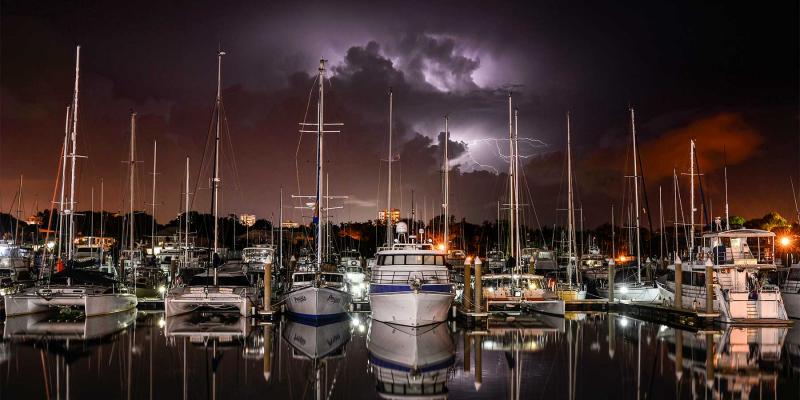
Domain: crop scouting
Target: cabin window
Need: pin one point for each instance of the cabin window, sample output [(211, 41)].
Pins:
[(414, 259), (430, 260)]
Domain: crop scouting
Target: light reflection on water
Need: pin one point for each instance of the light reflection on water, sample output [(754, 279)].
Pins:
[(207, 355)]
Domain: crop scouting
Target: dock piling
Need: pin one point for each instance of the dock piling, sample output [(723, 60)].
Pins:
[(678, 283), (267, 288), (709, 286), (611, 271), (466, 296), (478, 285)]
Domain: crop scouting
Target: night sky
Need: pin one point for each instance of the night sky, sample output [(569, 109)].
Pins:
[(725, 74)]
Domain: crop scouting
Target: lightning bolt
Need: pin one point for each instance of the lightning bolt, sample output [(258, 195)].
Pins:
[(529, 142)]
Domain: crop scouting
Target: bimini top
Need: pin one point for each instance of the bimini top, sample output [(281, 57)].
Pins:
[(754, 233)]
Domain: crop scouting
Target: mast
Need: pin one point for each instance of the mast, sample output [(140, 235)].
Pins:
[(446, 186), (727, 210), (131, 171), (613, 241), (691, 196), (186, 218), (153, 201), (216, 180), (63, 180), (510, 179), (102, 219), (636, 200), (570, 207), (389, 196), (320, 122), (73, 157), (19, 212), (675, 204), (517, 242), (280, 233), (661, 220)]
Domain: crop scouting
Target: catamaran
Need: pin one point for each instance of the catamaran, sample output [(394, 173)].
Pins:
[(316, 295), (94, 292), (220, 286)]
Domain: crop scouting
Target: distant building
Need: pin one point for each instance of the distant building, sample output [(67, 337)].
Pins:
[(395, 216)]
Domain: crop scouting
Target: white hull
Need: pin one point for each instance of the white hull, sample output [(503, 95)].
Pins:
[(550, 307), (320, 341), (318, 302), (37, 326), (633, 292), (410, 308), (177, 304), (34, 301), (737, 307)]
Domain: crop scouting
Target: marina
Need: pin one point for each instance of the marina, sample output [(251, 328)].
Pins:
[(396, 201)]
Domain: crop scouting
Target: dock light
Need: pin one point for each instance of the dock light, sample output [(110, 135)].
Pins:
[(622, 258), (785, 241), (441, 247), (50, 245), (623, 289), (468, 260), (162, 289), (161, 323), (623, 322)]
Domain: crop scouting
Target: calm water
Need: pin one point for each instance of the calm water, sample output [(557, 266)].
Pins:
[(140, 355)]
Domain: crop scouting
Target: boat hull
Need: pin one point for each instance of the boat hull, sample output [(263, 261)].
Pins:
[(318, 303), (792, 303), (737, 308), (177, 304), (92, 304), (633, 292), (410, 307), (550, 307)]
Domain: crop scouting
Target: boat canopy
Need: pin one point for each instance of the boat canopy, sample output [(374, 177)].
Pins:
[(750, 233)]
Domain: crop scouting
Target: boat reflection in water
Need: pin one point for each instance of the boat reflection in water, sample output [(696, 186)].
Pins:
[(410, 362), (318, 344), (737, 362)]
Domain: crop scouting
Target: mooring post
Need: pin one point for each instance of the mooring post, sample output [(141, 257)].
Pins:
[(478, 285), (467, 349), (678, 282), (478, 340), (709, 286), (267, 288), (466, 295), (611, 271), (267, 352)]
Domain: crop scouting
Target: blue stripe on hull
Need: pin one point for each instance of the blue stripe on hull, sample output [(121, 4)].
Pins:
[(400, 367), (316, 320), (385, 288)]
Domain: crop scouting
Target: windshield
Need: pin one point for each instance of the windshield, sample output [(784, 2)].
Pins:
[(354, 269), (411, 259)]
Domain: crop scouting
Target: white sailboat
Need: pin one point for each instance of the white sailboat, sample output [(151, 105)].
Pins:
[(316, 295), (518, 289), (218, 288), (637, 290), (94, 292)]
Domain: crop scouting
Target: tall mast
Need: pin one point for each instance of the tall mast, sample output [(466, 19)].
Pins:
[(389, 198), (186, 217), (73, 157), (510, 178), (661, 219), (570, 207), (636, 200), (216, 180), (131, 171), (63, 180), (153, 201), (102, 218), (675, 204), (320, 126), (446, 186), (517, 242), (727, 210), (613, 238), (19, 213), (280, 232), (691, 196)]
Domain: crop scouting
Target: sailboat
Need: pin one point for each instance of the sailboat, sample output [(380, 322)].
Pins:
[(571, 290), (219, 288), (410, 283), (518, 289), (316, 295), (319, 345), (95, 292), (633, 290)]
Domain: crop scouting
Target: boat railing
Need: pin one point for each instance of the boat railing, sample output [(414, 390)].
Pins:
[(410, 276)]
